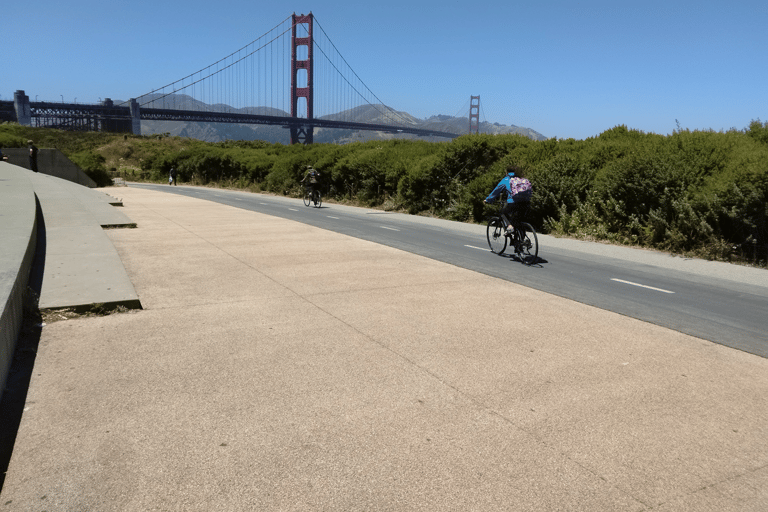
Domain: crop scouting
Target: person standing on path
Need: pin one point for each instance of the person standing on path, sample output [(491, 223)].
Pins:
[(32, 155), (172, 176)]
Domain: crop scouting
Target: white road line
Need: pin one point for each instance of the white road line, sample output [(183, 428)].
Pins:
[(330, 217), (391, 229), (478, 248), (265, 204), (293, 209), (641, 285)]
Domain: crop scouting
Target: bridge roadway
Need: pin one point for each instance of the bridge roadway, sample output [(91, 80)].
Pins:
[(118, 118), (277, 365), (156, 114)]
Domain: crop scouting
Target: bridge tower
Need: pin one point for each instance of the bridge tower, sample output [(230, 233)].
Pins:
[(474, 115), (301, 133), (23, 108)]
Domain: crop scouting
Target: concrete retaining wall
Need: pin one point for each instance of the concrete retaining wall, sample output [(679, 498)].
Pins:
[(18, 236), (51, 162)]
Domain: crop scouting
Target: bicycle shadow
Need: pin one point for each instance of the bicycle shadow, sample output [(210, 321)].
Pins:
[(529, 261)]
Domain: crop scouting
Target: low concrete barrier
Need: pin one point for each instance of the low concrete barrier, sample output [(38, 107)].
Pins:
[(51, 162), (18, 239), (81, 267)]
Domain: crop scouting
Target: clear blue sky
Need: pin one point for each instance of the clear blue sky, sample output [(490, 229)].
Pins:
[(564, 69)]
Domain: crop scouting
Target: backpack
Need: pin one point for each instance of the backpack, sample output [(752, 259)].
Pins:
[(520, 189)]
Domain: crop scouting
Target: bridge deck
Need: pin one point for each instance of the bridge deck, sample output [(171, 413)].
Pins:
[(118, 118)]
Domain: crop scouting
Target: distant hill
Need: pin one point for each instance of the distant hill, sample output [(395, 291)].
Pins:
[(375, 114)]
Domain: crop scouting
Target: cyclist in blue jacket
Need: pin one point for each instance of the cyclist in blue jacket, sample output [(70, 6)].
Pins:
[(518, 190)]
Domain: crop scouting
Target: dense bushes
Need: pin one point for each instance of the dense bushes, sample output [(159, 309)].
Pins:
[(700, 192), (695, 192), (92, 164)]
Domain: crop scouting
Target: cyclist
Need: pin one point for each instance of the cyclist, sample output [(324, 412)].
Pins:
[(519, 192), (313, 184)]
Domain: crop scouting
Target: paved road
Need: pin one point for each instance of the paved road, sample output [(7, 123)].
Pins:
[(722, 303), (279, 366)]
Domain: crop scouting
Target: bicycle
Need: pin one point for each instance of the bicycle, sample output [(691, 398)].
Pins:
[(522, 238), (312, 196)]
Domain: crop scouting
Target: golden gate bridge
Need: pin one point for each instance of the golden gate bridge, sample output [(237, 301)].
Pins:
[(295, 56)]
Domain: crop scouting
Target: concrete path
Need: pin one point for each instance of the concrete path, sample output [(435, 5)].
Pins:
[(276, 366), (81, 267)]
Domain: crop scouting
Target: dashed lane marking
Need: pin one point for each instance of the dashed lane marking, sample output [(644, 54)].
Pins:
[(642, 285)]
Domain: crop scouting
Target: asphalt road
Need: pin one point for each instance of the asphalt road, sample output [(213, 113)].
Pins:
[(729, 312)]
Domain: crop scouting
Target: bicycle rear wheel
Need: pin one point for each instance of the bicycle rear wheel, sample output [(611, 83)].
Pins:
[(528, 244), (307, 198), (497, 239), (318, 199)]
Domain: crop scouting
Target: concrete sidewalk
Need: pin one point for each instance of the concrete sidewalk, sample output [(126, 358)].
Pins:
[(277, 366), (81, 267)]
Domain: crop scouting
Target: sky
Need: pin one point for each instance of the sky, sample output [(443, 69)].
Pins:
[(564, 69)]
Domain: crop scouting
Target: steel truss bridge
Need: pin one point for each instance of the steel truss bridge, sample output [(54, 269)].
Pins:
[(242, 75), (66, 116)]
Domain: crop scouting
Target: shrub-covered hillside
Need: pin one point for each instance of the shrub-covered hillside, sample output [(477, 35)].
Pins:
[(693, 192)]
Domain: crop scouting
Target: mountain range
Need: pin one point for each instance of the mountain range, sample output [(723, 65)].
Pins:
[(374, 114)]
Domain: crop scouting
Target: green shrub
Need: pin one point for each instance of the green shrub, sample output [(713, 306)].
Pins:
[(758, 131), (93, 165)]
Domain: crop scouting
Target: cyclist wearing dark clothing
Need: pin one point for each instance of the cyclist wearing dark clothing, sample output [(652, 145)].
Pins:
[(312, 180), (518, 191)]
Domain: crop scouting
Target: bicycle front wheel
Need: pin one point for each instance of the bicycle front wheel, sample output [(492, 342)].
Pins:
[(529, 243), (497, 239), (307, 198)]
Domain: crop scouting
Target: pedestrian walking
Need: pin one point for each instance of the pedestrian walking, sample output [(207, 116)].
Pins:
[(32, 155)]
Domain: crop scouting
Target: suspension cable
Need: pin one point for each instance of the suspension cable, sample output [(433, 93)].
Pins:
[(208, 76), (402, 119), (276, 78), (219, 61)]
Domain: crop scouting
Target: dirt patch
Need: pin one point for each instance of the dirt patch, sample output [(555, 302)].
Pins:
[(48, 316)]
